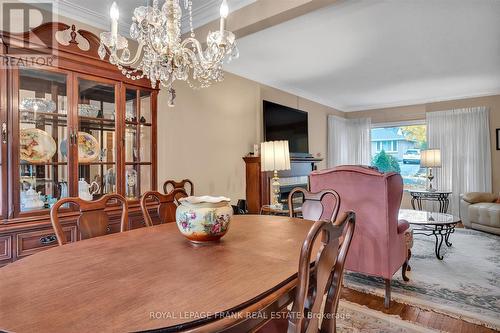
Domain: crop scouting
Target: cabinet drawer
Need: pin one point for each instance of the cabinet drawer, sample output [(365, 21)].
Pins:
[(5, 247), (32, 242), (136, 224), (113, 227)]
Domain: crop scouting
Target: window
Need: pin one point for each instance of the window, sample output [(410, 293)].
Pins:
[(397, 148)]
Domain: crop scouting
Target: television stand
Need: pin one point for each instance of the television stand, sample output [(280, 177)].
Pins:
[(301, 155)]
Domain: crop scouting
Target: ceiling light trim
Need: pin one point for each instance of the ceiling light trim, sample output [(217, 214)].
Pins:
[(419, 101), (86, 16), (202, 14)]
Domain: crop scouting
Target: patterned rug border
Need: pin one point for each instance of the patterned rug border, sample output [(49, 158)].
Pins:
[(384, 316), (468, 316), (488, 321)]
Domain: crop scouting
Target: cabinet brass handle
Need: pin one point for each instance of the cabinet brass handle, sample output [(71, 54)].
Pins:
[(47, 240), (4, 132)]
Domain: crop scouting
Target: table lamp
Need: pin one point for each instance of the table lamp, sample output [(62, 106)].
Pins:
[(430, 158), (275, 156)]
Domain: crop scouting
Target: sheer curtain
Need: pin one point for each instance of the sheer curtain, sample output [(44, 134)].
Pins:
[(463, 135), (348, 141)]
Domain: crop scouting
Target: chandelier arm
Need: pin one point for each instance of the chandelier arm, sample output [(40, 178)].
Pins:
[(133, 60), (209, 64), (198, 47)]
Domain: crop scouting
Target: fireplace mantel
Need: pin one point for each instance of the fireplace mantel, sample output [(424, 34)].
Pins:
[(257, 181)]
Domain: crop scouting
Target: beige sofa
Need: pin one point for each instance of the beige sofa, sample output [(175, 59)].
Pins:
[(480, 211)]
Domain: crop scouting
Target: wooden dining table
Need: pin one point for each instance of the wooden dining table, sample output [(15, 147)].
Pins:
[(153, 279)]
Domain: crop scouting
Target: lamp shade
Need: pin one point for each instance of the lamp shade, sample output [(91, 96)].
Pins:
[(274, 156), (430, 158)]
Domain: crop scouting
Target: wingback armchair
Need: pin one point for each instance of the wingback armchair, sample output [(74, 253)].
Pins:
[(378, 247)]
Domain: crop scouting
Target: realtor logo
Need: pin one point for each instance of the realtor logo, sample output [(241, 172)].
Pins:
[(18, 18)]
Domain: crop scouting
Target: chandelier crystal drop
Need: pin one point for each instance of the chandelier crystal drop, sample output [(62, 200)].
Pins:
[(162, 55)]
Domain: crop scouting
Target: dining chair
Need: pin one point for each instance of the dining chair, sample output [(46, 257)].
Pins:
[(323, 205), (324, 279), (93, 220), (172, 184), (166, 205)]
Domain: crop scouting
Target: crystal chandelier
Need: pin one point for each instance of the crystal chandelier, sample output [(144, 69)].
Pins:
[(162, 56)]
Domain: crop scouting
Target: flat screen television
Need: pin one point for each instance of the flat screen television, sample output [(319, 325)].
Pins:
[(284, 123)]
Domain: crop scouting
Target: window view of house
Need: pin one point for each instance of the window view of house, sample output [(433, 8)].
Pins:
[(398, 149)]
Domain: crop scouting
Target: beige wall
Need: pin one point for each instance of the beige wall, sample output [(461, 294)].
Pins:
[(206, 134), (416, 112)]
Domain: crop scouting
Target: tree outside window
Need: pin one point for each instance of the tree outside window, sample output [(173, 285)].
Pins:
[(397, 149)]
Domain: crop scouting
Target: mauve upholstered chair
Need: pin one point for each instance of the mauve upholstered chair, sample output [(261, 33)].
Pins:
[(378, 246)]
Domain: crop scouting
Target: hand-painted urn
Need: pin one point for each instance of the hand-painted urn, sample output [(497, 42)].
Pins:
[(204, 219)]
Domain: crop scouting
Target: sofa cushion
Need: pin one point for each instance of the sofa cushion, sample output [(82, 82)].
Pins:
[(485, 213), (476, 197)]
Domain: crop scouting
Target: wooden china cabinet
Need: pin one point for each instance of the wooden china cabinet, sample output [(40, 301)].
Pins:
[(68, 119)]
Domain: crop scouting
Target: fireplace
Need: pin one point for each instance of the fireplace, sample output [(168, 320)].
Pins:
[(258, 184)]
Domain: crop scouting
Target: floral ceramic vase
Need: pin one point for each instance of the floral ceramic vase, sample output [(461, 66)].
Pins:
[(204, 219)]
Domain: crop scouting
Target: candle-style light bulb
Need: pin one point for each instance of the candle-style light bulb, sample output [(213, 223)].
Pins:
[(114, 13), (224, 11)]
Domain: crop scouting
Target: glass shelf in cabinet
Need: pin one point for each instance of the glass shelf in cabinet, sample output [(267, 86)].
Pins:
[(42, 163), (43, 114), (51, 122), (96, 163), (98, 123), (137, 123), (96, 119), (138, 163)]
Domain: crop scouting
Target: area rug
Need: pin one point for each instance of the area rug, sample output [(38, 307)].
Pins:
[(354, 318), (465, 285)]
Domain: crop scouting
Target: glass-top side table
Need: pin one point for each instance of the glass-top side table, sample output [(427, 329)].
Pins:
[(442, 197)]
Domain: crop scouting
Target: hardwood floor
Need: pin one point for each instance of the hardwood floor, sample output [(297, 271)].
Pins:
[(414, 314)]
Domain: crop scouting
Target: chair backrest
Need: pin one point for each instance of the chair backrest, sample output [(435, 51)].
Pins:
[(93, 220), (322, 205), (166, 205), (171, 185), (375, 197), (326, 277)]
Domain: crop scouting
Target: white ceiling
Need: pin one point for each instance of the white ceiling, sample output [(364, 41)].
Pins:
[(357, 55), (96, 12)]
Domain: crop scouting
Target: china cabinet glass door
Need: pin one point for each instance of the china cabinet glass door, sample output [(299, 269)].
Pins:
[(96, 138), (138, 143), (42, 121)]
